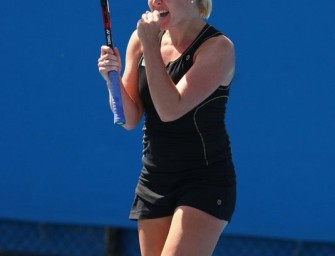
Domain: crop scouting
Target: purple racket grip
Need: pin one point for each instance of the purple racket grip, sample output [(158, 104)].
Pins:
[(117, 105)]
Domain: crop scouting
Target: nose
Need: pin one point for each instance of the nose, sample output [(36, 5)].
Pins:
[(157, 2)]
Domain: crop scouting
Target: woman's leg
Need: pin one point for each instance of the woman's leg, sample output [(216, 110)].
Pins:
[(192, 233), (152, 235)]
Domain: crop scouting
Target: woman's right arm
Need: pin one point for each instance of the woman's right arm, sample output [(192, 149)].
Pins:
[(132, 104), (133, 109)]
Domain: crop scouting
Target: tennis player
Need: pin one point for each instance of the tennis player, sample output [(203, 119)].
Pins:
[(178, 73)]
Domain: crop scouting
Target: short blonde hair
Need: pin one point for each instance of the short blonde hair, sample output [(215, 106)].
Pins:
[(205, 8)]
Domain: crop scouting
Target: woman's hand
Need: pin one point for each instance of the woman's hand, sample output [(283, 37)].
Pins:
[(148, 28), (109, 60)]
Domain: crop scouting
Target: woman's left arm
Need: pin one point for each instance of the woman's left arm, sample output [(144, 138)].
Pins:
[(214, 65)]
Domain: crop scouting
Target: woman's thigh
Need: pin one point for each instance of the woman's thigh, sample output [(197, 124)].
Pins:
[(192, 233), (152, 235)]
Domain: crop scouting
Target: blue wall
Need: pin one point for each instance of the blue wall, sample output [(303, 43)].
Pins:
[(63, 161)]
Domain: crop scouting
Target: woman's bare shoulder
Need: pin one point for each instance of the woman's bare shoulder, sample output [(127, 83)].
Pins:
[(134, 45)]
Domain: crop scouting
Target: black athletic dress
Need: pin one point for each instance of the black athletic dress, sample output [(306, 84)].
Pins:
[(187, 161)]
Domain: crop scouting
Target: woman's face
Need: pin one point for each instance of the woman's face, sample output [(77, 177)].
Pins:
[(171, 11)]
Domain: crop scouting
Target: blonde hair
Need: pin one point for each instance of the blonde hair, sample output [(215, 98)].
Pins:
[(205, 8)]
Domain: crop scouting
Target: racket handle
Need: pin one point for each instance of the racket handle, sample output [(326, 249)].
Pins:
[(117, 105)]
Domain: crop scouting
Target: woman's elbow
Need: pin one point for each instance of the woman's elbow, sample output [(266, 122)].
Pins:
[(168, 117), (128, 126)]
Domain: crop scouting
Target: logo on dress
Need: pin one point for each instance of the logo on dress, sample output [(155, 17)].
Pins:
[(219, 202)]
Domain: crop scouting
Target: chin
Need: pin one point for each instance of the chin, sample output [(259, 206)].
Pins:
[(164, 26)]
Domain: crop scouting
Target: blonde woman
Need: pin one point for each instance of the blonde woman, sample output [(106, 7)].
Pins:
[(178, 73)]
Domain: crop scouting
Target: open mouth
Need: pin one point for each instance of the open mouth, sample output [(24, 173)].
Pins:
[(163, 13)]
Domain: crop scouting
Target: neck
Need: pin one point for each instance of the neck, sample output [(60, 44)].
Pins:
[(183, 33)]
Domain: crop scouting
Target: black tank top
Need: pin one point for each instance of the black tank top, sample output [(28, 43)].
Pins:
[(196, 140)]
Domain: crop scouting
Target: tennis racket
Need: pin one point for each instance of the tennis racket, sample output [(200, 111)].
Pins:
[(117, 105)]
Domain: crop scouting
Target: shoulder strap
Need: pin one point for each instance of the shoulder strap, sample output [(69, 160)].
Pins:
[(207, 32)]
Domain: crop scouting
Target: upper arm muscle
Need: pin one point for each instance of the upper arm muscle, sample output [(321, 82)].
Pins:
[(213, 66)]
